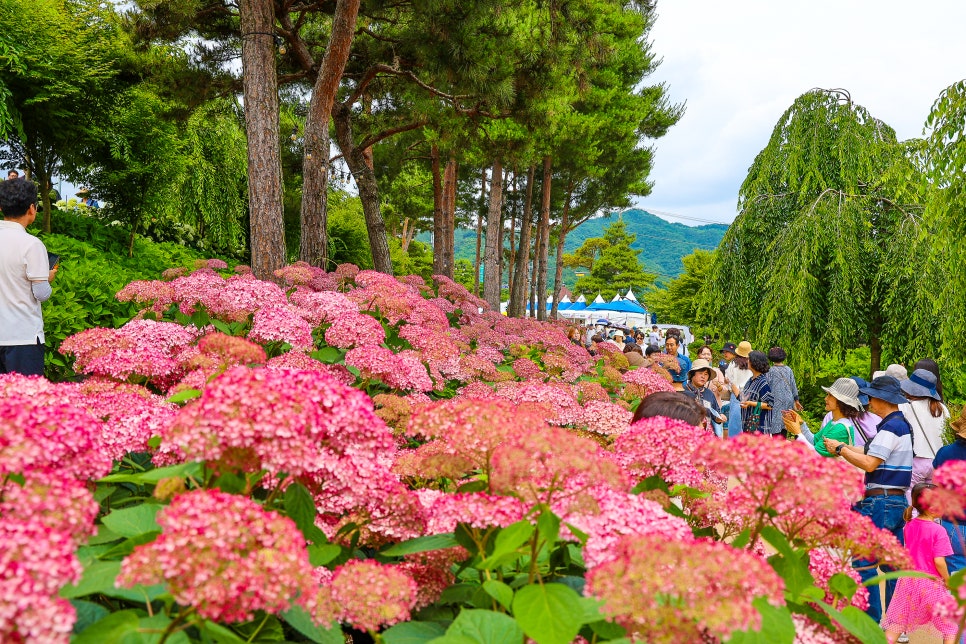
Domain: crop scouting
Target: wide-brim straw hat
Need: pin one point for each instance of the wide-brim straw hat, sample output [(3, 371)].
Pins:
[(845, 390), (921, 384), (744, 349), (698, 365), (959, 425)]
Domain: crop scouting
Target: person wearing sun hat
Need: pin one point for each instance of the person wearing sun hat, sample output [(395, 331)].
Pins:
[(736, 376), (927, 416), (699, 376), (887, 463), (955, 526), (842, 403)]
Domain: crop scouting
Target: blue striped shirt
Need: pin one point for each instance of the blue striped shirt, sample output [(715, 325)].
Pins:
[(892, 444)]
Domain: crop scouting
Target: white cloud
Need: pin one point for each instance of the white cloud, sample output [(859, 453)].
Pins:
[(739, 65)]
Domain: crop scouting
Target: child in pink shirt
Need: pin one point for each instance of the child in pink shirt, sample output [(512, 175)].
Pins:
[(917, 599)]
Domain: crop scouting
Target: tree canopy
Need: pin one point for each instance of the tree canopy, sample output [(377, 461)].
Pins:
[(615, 267)]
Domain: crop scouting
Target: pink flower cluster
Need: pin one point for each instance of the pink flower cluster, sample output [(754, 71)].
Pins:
[(302, 423), (476, 509), (824, 564), (367, 594), (606, 418), (667, 590), (225, 556), (662, 447), (400, 371), (618, 514), (353, 330), (948, 498), (35, 562), (141, 348), (281, 323)]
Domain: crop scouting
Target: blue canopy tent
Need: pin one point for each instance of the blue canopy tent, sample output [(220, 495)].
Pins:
[(620, 306)]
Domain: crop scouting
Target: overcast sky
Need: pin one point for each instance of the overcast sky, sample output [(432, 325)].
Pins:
[(739, 65)]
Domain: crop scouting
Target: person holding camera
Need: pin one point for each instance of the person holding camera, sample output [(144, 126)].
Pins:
[(25, 277)]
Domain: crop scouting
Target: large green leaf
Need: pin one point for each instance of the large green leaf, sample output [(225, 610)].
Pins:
[(154, 475), (300, 621), (98, 577), (413, 633), (776, 626), (856, 622), (473, 626), (507, 542), (421, 544), (117, 628), (499, 591), (133, 521), (549, 613)]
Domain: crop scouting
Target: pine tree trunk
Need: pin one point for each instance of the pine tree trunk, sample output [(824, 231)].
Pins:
[(511, 264), (359, 163), (492, 255), (449, 216), (543, 239), (562, 238), (261, 126), (314, 242), (532, 299), (439, 219), (479, 234), (518, 297)]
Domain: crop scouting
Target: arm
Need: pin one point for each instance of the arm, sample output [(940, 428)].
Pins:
[(942, 568), (854, 455)]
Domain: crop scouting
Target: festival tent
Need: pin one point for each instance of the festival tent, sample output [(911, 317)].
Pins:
[(599, 300), (630, 295)]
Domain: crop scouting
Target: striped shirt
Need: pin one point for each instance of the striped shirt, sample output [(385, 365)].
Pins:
[(892, 444)]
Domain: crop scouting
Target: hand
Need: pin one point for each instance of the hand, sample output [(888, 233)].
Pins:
[(53, 273), (749, 403), (793, 422), (798, 406), (831, 445)]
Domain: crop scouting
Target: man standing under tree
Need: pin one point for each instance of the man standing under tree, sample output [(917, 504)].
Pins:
[(25, 277)]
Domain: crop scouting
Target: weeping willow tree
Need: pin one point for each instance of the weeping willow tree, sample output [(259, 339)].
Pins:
[(946, 216), (214, 194), (818, 259)]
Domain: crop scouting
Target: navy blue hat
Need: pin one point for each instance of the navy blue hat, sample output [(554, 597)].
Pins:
[(730, 347), (630, 340), (885, 388), (861, 382)]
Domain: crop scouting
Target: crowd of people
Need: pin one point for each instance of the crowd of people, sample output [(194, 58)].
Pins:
[(891, 428)]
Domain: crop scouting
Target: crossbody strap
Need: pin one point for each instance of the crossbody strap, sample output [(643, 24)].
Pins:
[(923, 430)]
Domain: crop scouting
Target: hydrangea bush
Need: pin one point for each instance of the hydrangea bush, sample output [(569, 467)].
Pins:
[(348, 452)]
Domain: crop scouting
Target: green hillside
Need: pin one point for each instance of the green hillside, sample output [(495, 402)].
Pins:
[(661, 244)]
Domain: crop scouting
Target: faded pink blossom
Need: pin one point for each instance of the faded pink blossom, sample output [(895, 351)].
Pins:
[(368, 595), (281, 323), (662, 447), (666, 590), (606, 418), (398, 371)]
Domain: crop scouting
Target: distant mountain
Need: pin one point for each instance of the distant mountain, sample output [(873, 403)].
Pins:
[(661, 244)]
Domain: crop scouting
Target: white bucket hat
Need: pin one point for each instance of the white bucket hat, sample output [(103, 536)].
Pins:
[(845, 390)]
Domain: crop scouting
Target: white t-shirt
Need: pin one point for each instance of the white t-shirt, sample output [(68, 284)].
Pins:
[(927, 430), (737, 377), (23, 260)]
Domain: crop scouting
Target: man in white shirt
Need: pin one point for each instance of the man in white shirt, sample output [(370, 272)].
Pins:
[(25, 277)]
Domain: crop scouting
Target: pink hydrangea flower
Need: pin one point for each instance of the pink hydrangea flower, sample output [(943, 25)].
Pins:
[(606, 418), (35, 562), (225, 556), (299, 273), (368, 595), (666, 590), (281, 323), (662, 447), (62, 504), (398, 371), (296, 422), (353, 330), (949, 496), (824, 564), (558, 401), (38, 434), (476, 509), (615, 515), (324, 306), (647, 379)]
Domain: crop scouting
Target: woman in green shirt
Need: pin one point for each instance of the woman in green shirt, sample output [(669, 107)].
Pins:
[(842, 399)]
